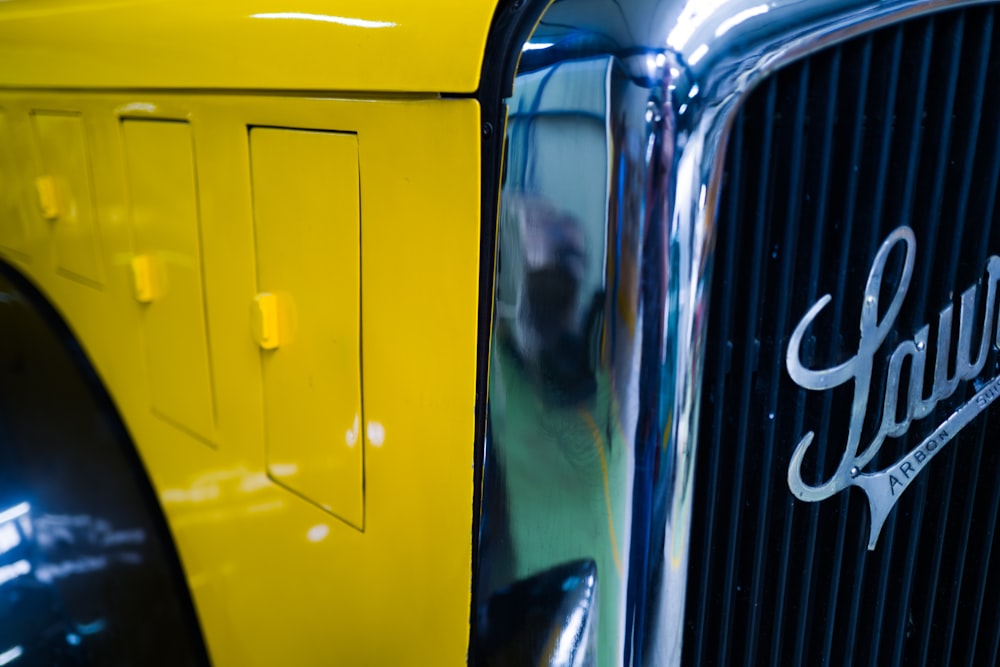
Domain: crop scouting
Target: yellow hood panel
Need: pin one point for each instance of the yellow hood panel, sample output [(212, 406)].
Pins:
[(344, 45)]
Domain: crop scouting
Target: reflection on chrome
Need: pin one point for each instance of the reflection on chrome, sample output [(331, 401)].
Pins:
[(35, 540), (583, 388), (10, 537), (739, 17), (10, 655), (53, 529), (616, 125), (546, 619), (92, 628), (14, 512), (49, 572), (575, 642), (14, 570)]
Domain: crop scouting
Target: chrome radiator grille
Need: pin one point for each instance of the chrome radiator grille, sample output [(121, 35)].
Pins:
[(900, 127)]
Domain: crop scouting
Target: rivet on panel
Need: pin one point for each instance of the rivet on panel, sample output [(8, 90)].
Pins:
[(48, 200), (264, 321)]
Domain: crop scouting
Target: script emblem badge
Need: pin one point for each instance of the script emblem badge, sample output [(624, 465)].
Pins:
[(884, 487)]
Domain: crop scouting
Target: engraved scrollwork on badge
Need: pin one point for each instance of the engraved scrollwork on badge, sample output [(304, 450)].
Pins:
[(884, 487)]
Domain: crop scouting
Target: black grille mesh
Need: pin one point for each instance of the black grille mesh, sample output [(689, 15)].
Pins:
[(828, 156)]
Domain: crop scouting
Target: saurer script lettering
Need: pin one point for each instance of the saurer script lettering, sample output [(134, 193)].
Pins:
[(884, 487)]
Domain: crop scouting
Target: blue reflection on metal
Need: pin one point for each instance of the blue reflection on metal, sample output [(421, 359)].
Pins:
[(92, 628)]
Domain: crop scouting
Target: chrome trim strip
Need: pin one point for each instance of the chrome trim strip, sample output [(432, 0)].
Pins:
[(617, 130)]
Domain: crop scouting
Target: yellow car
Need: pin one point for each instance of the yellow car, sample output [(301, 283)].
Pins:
[(530, 332)]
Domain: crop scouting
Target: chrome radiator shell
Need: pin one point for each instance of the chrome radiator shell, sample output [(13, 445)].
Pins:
[(617, 129)]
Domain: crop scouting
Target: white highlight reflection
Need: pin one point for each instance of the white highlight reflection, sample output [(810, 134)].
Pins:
[(698, 54), (133, 107), (340, 20), (739, 18), (376, 434), (285, 469), (14, 570), (318, 532), (569, 637), (49, 572), (12, 513), (10, 655), (352, 433), (693, 16), (9, 537)]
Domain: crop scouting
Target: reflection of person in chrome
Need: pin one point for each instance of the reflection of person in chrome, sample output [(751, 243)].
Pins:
[(544, 324), (553, 490)]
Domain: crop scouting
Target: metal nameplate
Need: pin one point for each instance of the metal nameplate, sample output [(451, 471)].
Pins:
[(884, 487)]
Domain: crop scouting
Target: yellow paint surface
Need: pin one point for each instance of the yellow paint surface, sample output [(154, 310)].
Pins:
[(276, 579), (308, 238), (160, 164), (65, 193), (353, 45), (13, 234)]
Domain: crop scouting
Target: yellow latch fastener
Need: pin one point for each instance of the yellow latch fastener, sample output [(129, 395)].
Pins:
[(264, 321), (144, 278), (48, 199)]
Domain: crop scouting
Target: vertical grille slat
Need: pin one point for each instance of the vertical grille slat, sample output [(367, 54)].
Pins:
[(909, 616), (732, 584), (779, 616), (786, 252), (956, 585), (887, 127), (721, 370), (978, 589), (952, 37), (801, 628), (847, 233), (978, 45), (994, 634), (889, 112), (900, 126), (916, 126), (968, 146)]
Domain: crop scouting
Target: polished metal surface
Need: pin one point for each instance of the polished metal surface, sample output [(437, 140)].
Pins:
[(884, 487), (617, 126), (88, 570), (546, 619)]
